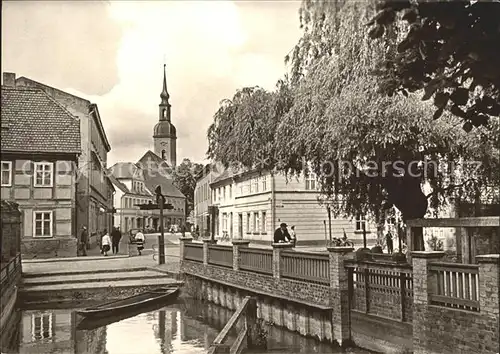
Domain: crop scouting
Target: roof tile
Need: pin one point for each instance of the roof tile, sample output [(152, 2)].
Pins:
[(34, 122)]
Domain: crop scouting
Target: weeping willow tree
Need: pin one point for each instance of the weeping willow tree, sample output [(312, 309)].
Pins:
[(390, 146), (369, 151)]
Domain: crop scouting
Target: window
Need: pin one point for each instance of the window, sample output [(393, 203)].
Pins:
[(248, 222), (391, 223), (241, 189), (44, 172), (220, 194), (360, 222), (41, 326), (163, 154), (264, 183), (256, 185), (255, 222), (6, 173), (264, 221), (230, 191), (43, 224), (311, 184), (224, 194), (224, 222)]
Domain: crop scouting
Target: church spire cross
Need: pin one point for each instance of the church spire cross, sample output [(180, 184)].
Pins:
[(164, 93)]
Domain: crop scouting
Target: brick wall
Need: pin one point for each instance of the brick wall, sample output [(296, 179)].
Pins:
[(285, 288), (438, 329)]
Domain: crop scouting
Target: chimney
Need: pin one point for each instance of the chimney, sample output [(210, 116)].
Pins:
[(9, 79)]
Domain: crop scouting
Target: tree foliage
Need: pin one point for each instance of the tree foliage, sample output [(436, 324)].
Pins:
[(449, 49), (243, 130), (332, 114), (184, 179)]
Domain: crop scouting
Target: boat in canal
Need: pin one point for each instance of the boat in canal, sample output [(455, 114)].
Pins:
[(117, 310)]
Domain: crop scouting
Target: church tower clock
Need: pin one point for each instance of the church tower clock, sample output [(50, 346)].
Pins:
[(164, 133)]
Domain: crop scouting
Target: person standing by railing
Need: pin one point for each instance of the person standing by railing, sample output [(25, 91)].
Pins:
[(389, 243), (293, 236), (281, 234)]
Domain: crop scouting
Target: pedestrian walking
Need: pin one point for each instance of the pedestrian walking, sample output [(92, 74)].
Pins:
[(389, 243), (106, 243), (116, 236), (84, 236), (293, 236), (139, 241), (281, 234)]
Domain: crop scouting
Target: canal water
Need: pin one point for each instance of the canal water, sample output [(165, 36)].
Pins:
[(187, 327)]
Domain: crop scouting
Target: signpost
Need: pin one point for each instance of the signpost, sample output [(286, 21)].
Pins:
[(161, 205)]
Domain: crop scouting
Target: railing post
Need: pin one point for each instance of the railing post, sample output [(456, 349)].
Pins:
[(423, 284), (183, 241), (339, 294), (489, 285), (402, 284), (366, 275), (237, 244), (277, 249), (206, 243)]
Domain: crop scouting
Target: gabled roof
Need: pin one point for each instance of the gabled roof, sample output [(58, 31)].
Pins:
[(227, 173), (34, 122), (167, 187), (124, 170), (151, 161), (119, 184), (91, 106)]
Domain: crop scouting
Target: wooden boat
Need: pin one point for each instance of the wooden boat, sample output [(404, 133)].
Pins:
[(124, 307)]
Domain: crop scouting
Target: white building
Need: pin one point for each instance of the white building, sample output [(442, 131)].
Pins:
[(253, 204)]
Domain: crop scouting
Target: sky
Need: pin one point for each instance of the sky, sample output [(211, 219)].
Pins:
[(112, 53)]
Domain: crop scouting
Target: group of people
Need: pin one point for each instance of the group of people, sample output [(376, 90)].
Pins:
[(282, 235), (111, 242)]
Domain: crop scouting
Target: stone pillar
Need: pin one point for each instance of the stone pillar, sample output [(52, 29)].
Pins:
[(183, 241), (339, 294), (237, 244), (206, 243), (277, 249), (423, 284), (489, 292)]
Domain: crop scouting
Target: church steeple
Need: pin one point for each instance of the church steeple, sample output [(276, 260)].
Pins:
[(164, 105), (164, 132)]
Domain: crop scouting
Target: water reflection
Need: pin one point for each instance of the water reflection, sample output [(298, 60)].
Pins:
[(187, 327)]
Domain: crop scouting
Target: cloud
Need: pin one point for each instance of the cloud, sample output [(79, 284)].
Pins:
[(211, 49)]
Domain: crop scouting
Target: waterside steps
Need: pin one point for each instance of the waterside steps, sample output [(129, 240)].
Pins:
[(247, 337), (81, 286)]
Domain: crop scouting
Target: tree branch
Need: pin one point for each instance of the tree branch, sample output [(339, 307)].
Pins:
[(453, 186)]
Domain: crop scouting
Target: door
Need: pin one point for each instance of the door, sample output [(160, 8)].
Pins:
[(240, 225)]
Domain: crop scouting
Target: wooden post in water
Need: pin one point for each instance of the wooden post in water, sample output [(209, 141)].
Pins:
[(251, 323)]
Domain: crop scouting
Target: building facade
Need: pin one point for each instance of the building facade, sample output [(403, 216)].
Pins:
[(253, 204), (203, 198), (94, 202), (135, 186), (40, 147), (164, 132)]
